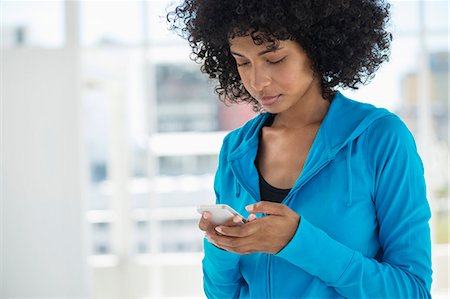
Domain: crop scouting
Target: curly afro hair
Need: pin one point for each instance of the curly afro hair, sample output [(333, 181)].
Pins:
[(346, 40)]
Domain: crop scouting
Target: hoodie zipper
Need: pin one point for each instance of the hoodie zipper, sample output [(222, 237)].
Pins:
[(313, 173), (269, 282)]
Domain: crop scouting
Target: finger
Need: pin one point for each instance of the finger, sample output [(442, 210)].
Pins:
[(251, 217), (205, 223), (245, 249), (230, 231), (228, 243), (208, 226), (240, 245), (266, 207), (240, 231), (239, 220), (233, 221)]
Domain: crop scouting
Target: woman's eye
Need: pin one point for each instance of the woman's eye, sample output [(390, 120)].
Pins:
[(241, 64), (276, 61)]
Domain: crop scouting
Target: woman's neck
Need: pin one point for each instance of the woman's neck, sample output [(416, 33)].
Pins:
[(312, 109)]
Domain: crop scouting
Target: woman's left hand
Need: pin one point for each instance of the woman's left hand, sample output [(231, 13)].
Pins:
[(268, 234)]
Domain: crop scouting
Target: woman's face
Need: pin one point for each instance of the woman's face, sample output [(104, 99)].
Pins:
[(278, 77)]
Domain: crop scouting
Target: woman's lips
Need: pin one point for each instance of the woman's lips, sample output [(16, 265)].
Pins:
[(267, 101)]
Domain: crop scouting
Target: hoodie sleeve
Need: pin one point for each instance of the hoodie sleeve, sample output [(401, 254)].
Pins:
[(221, 275), (403, 269)]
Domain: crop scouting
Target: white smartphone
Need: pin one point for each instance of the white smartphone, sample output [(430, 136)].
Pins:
[(220, 213)]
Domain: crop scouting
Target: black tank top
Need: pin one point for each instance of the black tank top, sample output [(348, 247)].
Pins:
[(267, 191)]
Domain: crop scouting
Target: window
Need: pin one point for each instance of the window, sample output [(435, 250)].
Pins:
[(185, 100), (32, 24)]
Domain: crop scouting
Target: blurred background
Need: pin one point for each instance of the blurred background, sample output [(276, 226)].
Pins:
[(110, 136)]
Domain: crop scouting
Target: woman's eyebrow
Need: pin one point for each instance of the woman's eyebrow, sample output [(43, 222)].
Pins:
[(268, 50)]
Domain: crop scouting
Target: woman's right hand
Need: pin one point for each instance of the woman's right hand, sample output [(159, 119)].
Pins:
[(208, 227)]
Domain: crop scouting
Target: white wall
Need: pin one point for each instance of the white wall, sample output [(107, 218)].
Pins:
[(41, 213)]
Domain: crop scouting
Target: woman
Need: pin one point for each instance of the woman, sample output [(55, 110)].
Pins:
[(334, 188)]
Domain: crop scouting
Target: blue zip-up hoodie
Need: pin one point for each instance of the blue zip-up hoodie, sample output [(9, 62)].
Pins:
[(364, 229)]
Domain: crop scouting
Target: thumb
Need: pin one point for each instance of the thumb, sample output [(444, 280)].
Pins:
[(267, 207)]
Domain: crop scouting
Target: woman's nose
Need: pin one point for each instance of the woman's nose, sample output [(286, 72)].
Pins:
[(259, 79)]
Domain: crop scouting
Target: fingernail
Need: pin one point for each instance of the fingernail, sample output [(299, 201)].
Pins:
[(219, 229), (249, 208), (237, 219), (205, 215)]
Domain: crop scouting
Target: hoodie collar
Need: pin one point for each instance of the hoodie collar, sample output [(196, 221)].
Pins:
[(347, 119)]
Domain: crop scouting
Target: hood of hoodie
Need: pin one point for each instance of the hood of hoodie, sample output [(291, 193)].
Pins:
[(345, 121)]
